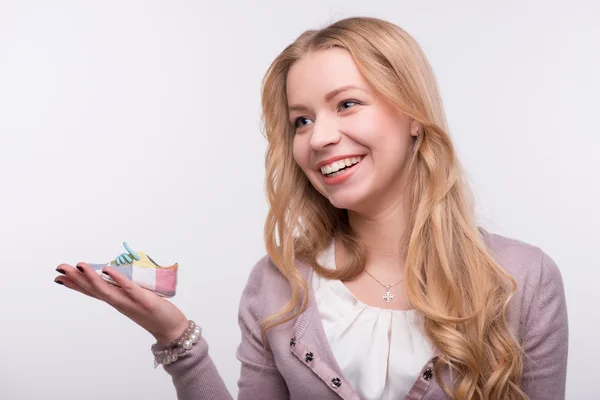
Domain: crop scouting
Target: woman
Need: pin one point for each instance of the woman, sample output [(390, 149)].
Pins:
[(381, 286)]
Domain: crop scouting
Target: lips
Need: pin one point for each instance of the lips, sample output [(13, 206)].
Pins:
[(341, 175)]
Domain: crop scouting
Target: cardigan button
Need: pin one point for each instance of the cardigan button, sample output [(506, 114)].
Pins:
[(336, 382), (427, 374), (293, 342), (308, 357)]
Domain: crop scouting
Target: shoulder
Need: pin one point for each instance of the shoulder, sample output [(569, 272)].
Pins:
[(536, 274), (264, 271), (526, 263), (267, 289)]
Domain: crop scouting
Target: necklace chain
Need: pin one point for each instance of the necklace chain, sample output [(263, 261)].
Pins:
[(387, 286)]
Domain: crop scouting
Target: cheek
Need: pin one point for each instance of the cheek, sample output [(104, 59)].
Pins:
[(371, 127), (296, 149), (391, 134), (362, 124), (300, 153)]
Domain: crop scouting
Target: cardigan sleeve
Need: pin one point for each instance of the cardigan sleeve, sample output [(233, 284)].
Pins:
[(546, 337), (196, 377)]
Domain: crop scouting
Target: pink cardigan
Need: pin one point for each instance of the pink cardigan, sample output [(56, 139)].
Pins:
[(300, 364)]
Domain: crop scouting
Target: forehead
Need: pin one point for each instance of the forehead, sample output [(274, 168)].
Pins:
[(320, 72)]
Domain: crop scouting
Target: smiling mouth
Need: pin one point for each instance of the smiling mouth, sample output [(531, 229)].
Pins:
[(339, 167)]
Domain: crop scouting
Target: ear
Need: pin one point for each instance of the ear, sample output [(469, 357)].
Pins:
[(415, 128)]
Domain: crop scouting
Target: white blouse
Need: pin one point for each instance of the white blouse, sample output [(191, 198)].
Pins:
[(381, 352)]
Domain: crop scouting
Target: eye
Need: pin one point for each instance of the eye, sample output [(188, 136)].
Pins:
[(301, 121), (344, 105)]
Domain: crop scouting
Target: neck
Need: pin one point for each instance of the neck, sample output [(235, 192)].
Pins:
[(381, 232)]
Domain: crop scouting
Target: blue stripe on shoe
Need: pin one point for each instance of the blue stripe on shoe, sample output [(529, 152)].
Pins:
[(97, 267), (126, 270)]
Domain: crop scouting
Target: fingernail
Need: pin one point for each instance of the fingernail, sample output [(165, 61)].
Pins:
[(79, 268), (60, 270), (59, 282)]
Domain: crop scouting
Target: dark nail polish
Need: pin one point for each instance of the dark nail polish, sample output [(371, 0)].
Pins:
[(79, 268), (59, 282), (60, 270)]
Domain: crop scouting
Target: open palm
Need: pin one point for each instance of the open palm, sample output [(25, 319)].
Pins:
[(158, 316)]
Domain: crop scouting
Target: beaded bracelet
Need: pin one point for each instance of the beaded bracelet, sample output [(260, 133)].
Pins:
[(167, 354)]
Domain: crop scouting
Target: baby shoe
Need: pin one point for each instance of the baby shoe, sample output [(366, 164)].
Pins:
[(143, 270)]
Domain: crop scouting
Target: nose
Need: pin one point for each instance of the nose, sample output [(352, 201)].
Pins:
[(324, 133)]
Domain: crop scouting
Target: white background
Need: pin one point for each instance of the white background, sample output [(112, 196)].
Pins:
[(138, 121)]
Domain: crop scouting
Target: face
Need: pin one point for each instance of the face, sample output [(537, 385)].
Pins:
[(351, 143)]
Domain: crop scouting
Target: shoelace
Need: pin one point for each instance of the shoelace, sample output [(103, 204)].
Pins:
[(124, 258)]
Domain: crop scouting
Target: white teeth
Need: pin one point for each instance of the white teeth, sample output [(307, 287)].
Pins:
[(337, 165), (335, 174)]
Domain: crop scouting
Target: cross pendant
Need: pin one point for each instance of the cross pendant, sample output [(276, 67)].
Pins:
[(388, 296)]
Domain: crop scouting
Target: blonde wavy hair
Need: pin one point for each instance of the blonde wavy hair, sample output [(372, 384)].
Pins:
[(450, 277)]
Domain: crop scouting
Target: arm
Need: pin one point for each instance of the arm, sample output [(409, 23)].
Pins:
[(196, 377), (546, 337), (260, 378)]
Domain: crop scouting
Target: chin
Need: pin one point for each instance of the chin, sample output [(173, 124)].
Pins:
[(347, 201), (340, 203)]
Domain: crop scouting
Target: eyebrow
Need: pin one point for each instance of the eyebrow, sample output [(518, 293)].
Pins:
[(328, 96)]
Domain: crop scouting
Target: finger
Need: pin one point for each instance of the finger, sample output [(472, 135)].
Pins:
[(122, 307), (93, 282), (75, 275), (69, 283), (129, 287), (128, 297)]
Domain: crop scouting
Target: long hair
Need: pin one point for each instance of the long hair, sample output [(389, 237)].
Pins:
[(450, 276)]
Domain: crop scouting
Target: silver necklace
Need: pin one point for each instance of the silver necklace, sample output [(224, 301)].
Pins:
[(388, 296)]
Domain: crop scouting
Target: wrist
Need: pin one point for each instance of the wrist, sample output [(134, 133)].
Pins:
[(170, 351), (167, 338)]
